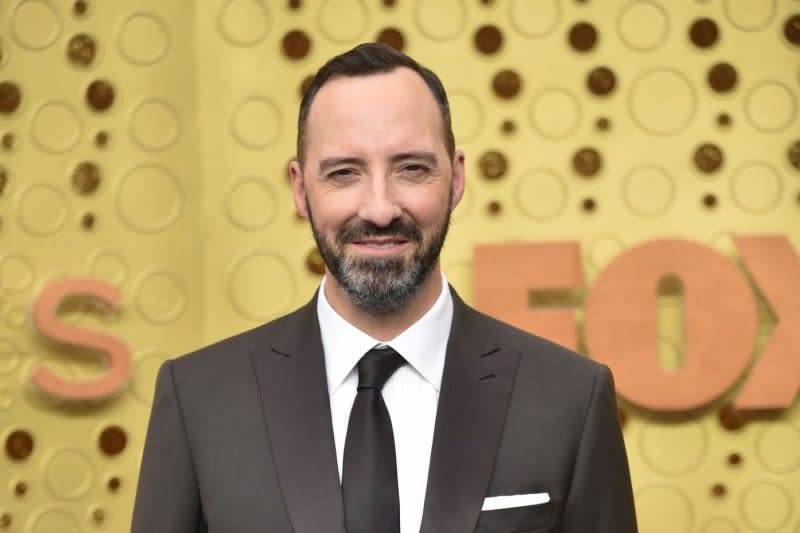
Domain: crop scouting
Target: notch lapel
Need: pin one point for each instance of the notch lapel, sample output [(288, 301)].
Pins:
[(294, 396), (476, 388)]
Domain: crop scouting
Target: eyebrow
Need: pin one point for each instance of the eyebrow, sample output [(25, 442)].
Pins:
[(428, 157)]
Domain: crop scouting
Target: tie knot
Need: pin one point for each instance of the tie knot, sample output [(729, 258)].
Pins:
[(377, 366)]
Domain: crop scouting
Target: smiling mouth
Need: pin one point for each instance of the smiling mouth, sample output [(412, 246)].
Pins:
[(380, 244)]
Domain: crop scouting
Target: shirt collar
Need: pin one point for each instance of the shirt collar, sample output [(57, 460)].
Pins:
[(422, 345)]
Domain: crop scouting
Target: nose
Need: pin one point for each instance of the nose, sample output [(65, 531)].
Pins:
[(379, 205)]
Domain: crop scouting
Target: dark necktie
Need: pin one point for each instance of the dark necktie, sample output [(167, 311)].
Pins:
[(369, 474)]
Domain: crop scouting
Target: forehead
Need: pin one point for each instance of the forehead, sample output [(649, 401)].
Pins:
[(396, 106)]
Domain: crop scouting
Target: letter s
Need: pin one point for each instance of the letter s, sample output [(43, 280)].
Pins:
[(46, 320)]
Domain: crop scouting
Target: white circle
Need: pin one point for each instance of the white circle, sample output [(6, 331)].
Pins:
[(440, 20), (648, 190), (673, 449), (68, 473), (541, 194), (256, 122), (750, 15), (9, 357), (260, 285), (50, 520), (109, 266), (766, 506), (250, 203), (778, 447), (154, 125), (144, 39), (244, 22), (56, 127), (35, 24), (342, 28), (42, 209), (149, 198), (770, 106), (660, 505), (161, 297), (756, 187), (16, 273), (555, 113), (662, 101), (643, 25), (534, 18), (467, 115)]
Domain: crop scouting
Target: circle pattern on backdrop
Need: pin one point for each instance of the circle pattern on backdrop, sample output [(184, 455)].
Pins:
[(766, 506), (719, 525), (778, 448), (440, 20), (42, 209), (341, 29), (154, 125), (662, 101), (261, 285), (770, 107), (243, 22), (750, 15), (541, 194), (534, 19), (9, 356), (35, 24), (467, 115), (659, 446), (16, 273), (56, 127), (660, 505), (256, 122), (648, 190), (250, 204), (49, 520), (145, 371), (68, 473), (109, 266), (161, 297), (555, 113), (756, 187), (149, 199), (643, 25), (144, 39)]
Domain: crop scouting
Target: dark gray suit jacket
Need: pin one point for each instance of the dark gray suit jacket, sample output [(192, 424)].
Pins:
[(240, 437)]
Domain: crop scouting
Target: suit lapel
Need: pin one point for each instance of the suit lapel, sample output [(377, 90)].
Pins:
[(476, 387), (294, 395)]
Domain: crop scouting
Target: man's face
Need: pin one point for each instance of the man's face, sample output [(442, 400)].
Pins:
[(378, 186)]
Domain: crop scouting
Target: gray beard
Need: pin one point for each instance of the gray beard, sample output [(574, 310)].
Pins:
[(381, 286)]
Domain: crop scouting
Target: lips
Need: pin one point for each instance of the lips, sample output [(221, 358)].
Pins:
[(383, 243)]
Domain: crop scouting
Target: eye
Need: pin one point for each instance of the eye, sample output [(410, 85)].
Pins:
[(342, 174), (415, 169)]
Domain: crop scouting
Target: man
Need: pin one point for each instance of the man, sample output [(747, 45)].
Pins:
[(314, 423)]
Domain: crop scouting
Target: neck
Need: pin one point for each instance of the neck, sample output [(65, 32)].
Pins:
[(385, 327)]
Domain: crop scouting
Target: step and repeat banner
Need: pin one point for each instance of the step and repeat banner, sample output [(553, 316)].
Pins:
[(633, 171)]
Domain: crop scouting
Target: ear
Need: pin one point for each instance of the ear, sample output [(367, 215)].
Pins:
[(298, 188), (458, 178)]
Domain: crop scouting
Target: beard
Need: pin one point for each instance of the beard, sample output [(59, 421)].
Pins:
[(381, 285)]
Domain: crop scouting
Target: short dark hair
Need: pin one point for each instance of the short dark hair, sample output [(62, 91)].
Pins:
[(365, 60)]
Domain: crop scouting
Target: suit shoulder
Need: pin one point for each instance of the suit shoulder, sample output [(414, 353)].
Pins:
[(227, 351), (545, 352)]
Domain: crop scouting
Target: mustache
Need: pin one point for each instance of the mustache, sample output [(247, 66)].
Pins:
[(398, 227)]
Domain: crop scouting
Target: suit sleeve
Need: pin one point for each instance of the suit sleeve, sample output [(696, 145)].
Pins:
[(167, 498), (600, 498)]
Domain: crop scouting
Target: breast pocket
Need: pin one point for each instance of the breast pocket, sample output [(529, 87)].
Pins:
[(527, 519)]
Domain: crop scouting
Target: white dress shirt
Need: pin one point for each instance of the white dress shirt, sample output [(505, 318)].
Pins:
[(411, 394)]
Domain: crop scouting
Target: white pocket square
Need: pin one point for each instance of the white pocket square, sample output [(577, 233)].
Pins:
[(516, 500)]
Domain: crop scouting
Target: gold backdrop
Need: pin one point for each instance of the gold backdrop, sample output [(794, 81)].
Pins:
[(144, 143)]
